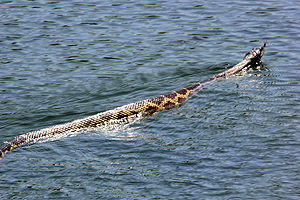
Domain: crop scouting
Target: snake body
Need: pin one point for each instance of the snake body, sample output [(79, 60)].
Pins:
[(134, 110)]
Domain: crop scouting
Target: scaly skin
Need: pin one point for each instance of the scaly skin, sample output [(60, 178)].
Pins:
[(130, 111)]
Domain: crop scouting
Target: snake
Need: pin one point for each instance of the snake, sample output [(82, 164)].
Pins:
[(135, 110)]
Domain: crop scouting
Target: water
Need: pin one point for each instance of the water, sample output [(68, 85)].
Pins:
[(236, 139)]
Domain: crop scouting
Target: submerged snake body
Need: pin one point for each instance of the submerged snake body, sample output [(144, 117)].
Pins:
[(130, 111)]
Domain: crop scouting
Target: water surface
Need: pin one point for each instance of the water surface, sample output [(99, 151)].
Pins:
[(236, 139)]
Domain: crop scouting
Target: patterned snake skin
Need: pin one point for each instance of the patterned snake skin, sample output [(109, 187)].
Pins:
[(133, 110)]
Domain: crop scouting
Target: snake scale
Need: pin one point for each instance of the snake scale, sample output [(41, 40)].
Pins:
[(134, 110)]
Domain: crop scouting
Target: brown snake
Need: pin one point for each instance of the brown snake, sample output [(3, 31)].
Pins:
[(134, 110)]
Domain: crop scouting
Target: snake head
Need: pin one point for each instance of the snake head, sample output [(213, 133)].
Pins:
[(255, 54)]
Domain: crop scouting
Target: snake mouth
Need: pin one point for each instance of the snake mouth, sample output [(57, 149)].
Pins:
[(258, 51), (255, 55), (262, 50)]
